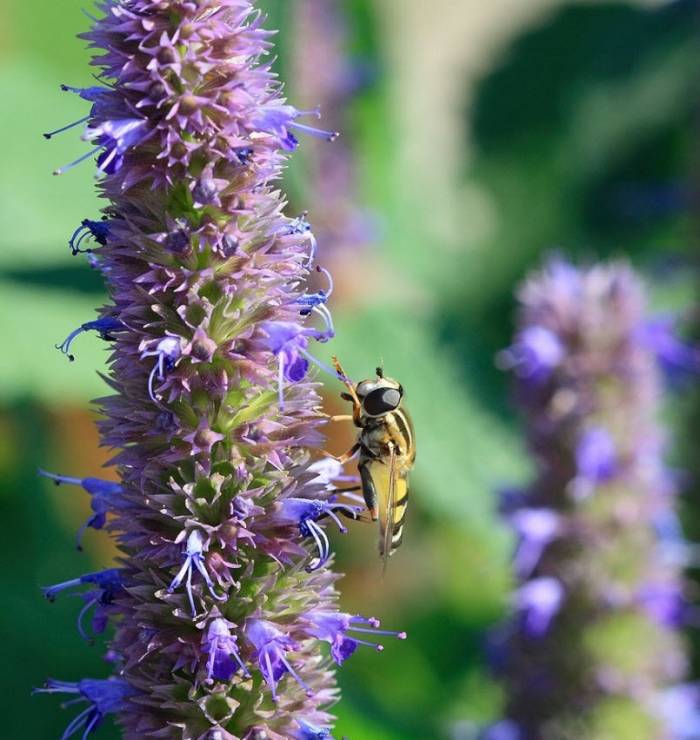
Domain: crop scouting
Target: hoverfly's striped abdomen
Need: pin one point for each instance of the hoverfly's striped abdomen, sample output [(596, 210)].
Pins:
[(392, 432)]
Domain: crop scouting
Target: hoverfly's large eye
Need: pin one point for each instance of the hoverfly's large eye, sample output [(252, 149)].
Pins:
[(381, 401)]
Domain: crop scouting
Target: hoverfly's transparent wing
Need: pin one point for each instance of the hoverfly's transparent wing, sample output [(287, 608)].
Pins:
[(387, 520)]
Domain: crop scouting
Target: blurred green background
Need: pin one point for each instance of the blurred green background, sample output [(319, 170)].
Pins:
[(476, 137)]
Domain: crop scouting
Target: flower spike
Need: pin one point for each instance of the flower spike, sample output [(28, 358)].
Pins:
[(211, 423)]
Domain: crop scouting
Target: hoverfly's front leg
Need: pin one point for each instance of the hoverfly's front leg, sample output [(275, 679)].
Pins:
[(352, 394)]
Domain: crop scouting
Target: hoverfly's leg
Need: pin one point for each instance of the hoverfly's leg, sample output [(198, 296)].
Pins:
[(397, 438), (369, 492), (342, 459), (356, 405), (341, 417), (349, 489)]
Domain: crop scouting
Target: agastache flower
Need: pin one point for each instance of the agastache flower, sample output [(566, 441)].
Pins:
[(105, 327), (213, 415), (167, 352), (308, 731), (333, 628), (536, 528), (98, 230), (288, 342), (305, 513), (272, 647), (597, 602), (678, 358), (194, 561), (595, 455), (278, 119), (104, 497), (103, 697), (222, 648), (108, 585), (538, 602), (535, 354)]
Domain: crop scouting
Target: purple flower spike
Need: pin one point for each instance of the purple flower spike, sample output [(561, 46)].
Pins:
[(209, 292), (103, 697), (104, 327), (600, 550), (104, 498), (538, 602), (271, 647), (194, 560), (220, 645), (108, 584)]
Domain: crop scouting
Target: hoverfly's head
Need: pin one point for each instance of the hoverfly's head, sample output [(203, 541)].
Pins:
[(379, 397)]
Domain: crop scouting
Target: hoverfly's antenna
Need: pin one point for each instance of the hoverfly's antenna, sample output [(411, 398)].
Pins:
[(380, 372)]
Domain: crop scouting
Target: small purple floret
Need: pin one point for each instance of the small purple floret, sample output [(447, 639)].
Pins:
[(221, 646), (305, 513), (596, 457), (103, 697), (104, 498), (538, 601), (98, 230), (194, 560), (108, 584), (333, 628), (104, 327), (536, 353), (271, 647), (308, 731)]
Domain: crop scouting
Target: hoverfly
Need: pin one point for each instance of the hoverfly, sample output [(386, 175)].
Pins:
[(386, 447)]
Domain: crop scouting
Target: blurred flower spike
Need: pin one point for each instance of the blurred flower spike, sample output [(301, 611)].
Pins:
[(224, 596), (597, 607)]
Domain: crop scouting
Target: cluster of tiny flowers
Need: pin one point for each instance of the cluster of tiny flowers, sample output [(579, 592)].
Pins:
[(592, 648), (224, 608)]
